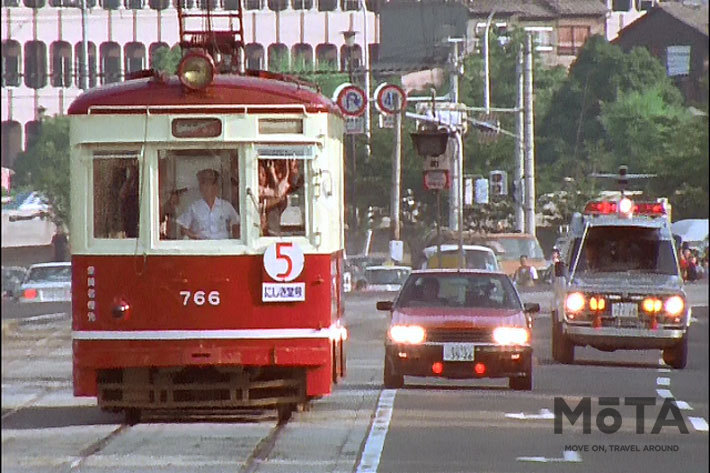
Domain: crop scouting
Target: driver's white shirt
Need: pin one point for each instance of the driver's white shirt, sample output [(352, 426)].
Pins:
[(210, 224)]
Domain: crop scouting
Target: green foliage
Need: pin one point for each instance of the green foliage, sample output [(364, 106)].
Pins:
[(166, 59), (44, 166)]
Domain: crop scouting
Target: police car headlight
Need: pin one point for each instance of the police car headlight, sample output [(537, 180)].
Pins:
[(674, 305), (412, 334), (574, 302), (510, 336)]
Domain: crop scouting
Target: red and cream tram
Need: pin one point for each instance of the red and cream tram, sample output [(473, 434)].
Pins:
[(207, 241)]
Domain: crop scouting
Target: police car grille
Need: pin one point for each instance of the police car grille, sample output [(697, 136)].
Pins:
[(448, 335)]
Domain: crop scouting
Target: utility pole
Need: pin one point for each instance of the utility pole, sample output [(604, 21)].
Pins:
[(487, 90), (366, 59), (529, 141), (396, 175), (455, 200), (84, 73), (519, 148)]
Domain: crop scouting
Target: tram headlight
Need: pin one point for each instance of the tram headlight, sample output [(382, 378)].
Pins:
[(196, 70)]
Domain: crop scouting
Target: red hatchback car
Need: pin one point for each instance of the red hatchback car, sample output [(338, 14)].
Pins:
[(459, 324)]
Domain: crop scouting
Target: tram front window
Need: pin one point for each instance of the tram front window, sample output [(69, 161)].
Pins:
[(281, 197), (115, 195), (199, 194)]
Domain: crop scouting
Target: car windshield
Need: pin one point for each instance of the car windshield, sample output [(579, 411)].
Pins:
[(457, 290), (44, 274), (517, 247), (622, 249), (386, 276)]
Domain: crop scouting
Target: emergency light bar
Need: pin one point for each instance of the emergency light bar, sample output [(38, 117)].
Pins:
[(606, 207)]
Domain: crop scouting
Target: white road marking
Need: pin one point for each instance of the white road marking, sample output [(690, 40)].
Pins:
[(683, 406), (664, 370), (664, 393), (700, 424), (543, 414), (663, 381), (370, 460), (567, 456)]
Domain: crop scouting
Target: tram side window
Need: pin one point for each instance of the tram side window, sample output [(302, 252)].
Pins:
[(199, 194), (115, 195), (281, 197)]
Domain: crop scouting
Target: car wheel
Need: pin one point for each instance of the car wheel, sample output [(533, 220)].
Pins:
[(521, 383), (677, 356), (392, 380), (562, 348)]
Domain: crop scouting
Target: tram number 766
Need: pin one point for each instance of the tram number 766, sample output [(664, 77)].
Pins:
[(200, 297)]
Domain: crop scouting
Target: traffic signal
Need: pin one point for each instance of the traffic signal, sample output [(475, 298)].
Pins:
[(498, 181)]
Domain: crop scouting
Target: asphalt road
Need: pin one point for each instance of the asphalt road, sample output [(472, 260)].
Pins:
[(432, 426)]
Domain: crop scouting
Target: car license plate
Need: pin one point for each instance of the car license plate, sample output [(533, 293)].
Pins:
[(458, 351), (625, 310)]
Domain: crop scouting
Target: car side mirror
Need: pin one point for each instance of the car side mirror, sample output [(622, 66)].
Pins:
[(559, 269), (385, 305), (531, 307)]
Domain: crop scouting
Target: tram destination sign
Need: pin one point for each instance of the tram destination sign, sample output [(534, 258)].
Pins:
[(196, 127)]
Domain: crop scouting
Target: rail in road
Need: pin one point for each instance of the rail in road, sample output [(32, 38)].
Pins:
[(429, 425)]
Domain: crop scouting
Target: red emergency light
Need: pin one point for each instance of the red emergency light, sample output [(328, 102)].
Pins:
[(606, 207)]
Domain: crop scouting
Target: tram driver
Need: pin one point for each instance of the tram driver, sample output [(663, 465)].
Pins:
[(209, 218)]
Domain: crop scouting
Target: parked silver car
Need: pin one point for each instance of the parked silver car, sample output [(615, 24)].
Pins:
[(46, 282)]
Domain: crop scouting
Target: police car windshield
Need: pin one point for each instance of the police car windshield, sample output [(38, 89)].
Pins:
[(624, 249), (493, 291)]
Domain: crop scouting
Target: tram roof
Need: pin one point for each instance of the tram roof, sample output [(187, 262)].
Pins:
[(228, 90)]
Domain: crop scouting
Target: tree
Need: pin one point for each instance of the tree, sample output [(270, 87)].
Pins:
[(166, 59), (44, 167)]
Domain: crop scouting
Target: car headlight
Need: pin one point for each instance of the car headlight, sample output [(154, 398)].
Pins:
[(510, 336), (674, 305), (413, 334), (574, 302)]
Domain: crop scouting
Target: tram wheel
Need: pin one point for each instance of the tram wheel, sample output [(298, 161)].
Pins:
[(132, 416)]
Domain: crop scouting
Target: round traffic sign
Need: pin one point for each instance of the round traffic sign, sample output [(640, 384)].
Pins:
[(283, 261), (352, 101), (390, 98)]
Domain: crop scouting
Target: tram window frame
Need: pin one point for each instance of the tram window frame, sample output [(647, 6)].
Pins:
[(227, 160), (110, 206), (302, 192)]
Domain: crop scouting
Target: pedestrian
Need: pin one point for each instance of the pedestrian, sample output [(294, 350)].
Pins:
[(60, 242), (525, 275)]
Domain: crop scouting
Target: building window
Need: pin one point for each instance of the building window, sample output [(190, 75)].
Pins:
[(11, 3), (302, 4), (282, 197), (11, 142), (158, 4), (35, 64), (60, 55), (327, 5), (570, 39), (349, 5), (326, 55), (11, 63), (32, 129), (350, 58), (79, 55), (302, 56), (110, 62), (110, 4), (65, 3), (277, 5), (133, 4), (152, 49), (645, 5), (230, 4), (134, 54), (185, 4), (254, 57), (278, 57), (620, 5), (116, 195), (34, 3), (542, 37), (204, 4), (253, 4)]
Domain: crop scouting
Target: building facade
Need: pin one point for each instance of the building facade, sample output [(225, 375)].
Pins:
[(42, 46)]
